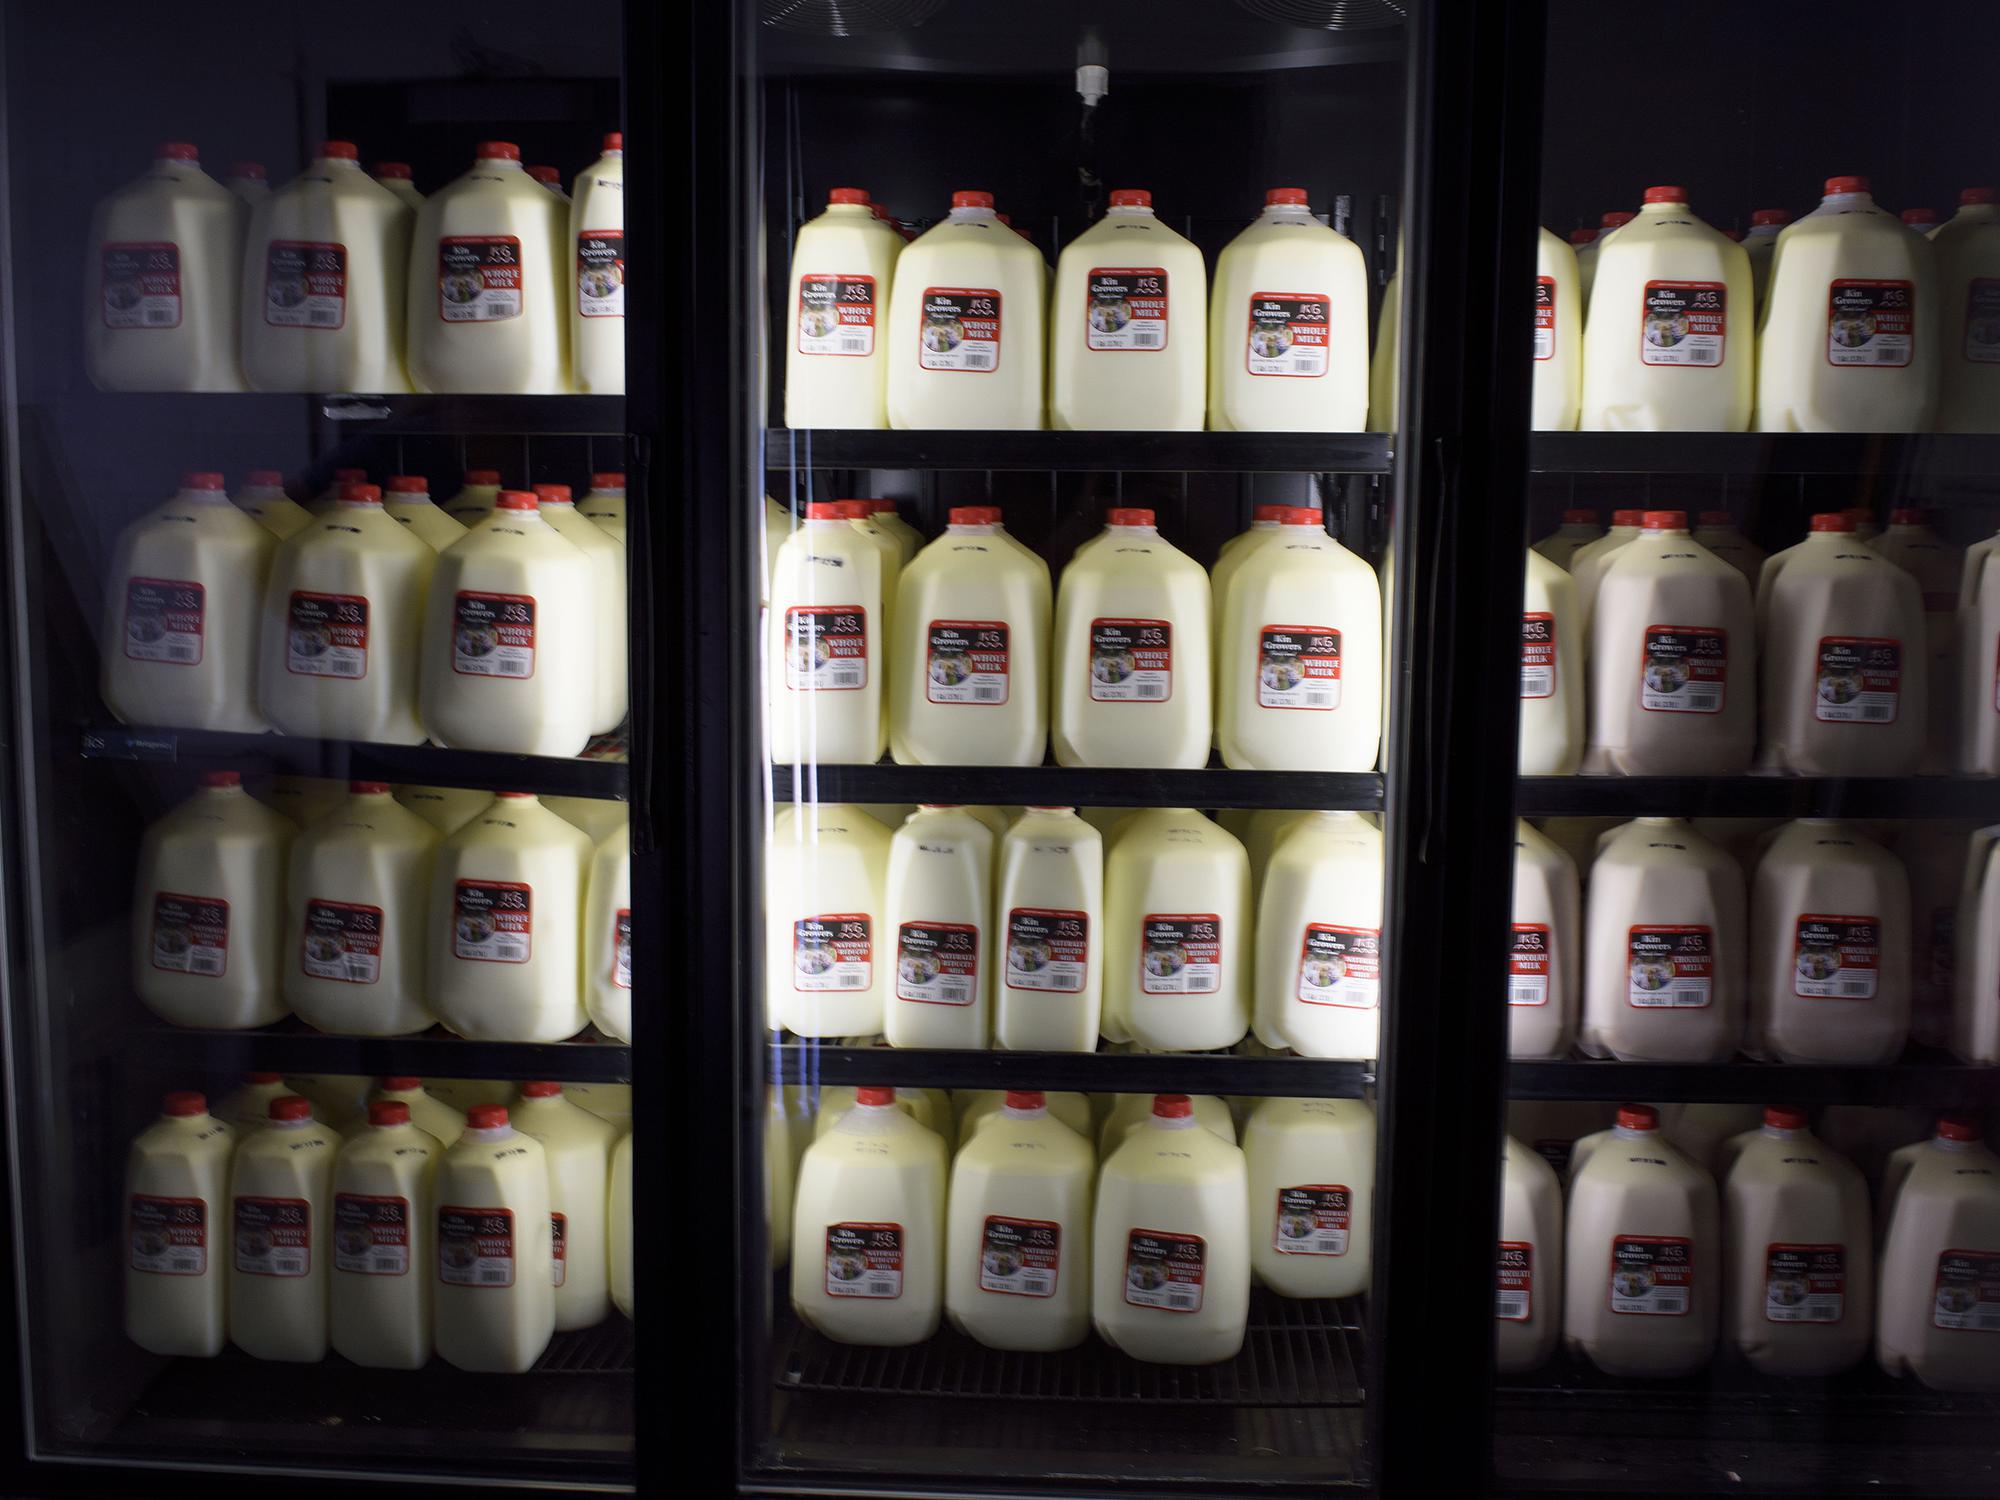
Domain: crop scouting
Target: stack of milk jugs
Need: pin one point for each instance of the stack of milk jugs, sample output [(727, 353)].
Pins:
[(342, 281), (1862, 324), (495, 623), (477, 1235), (1137, 1214)]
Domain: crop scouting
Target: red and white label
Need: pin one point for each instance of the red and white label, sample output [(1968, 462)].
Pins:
[(1836, 958), (937, 963), (163, 620), (1859, 680), (493, 635), (1020, 1257), (1683, 323), (1670, 967), (1298, 666), (479, 278), (371, 1235), (1289, 334), (1047, 950), (1514, 1282), (1341, 966), (834, 952), (959, 330), (1313, 1219), (864, 1260), (1528, 965), (600, 273), (621, 948), (1871, 324), (169, 1236), (1131, 661), (836, 314), (1652, 1276), (305, 285), (1126, 309), (966, 661), (190, 934), (826, 648), (141, 285), (476, 1246), (493, 921), (342, 942), (1982, 321), (1165, 1270), (1538, 655), (559, 1249), (1805, 1283), (1684, 669), (326, 635), (272, 1236), (1180, 954), (1545, 317), (1967, 1293)]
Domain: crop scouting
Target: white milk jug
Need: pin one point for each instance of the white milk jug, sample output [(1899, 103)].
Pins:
[(1558, 336), (407, 501), (323, 502), (824, 657), (1528, 1276), (597, 260), (1049, 918), (1975, 1010), (428, 1112), (1546, 952), (384, 1215), (1319, 938), (281, 1235), (607, 589), (621, 1227), (977, 1108), (604, 503), (477, 495), (1717, 531), (607, 935), (1178, 939), (577, 1145), (263, 497), (247, 1107), (1131, 1112), (395, 176), (828, 959), (1385, 362), (1977, 706), (177, 1230), (1586, 565), (249, 181), (445, 808), (1551, 1128), (937, 907), (1911, 544), (494, 1293), (1586, 255), (1933, 852), (1938, 1315), (1552, 671), (1264, 523), (1578, 530), (1759, 244), (1311, 1165), (595, 817), (837, 361), (1968, 265)]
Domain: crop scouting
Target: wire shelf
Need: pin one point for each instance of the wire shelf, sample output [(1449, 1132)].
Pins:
[(603, 1350)]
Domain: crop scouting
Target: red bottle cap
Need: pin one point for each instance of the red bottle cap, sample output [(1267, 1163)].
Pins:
[(1124, 515), (1627, 517), (1716, 518), (222, 778), (291, 1107), (1008, 220), (263, 1077), (823, 510), (401, 1085), (339, 150), (1767, 216), (868, 1093), (1016, 1099), (1784, 1117), (971, 198), (541, 1088), (614, 140), (1271, 513), (1833, 520), (388, 1112), (513, 794), (396, 169), (607, 480), (1302, 515), (1920, 216), (1908, 515), (880, 507), (552, 494), (408, 484), (349, 476), (201, 479), (1582, 237), (852, 510), (546, 175), (517, 500), (1665, 520), (185, 151), (1665, 195), (1286, 195), (368, 788), (482, 476), (1615, 218), (1172, 1107), (1638, 1117), (360, 494), (1958, 1127), (1579, 518), (848, 195), (973, 515), (184, 1102), (486, 1116), (1976, 195), (1732, 234), (264, 476), (1131, 198), (1846, 185), (497, 151)]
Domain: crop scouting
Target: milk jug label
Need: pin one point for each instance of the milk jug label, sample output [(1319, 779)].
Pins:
[(1684, 669), (966, 661), (342, 941), (864, 1260), (1127, 309), (1180, 955), (371, 1236), (826, 648), (621, 949), (1047, 950), (476, 1246), (1313, 1220), (937, 963), (479, 278), (1545, 317), (600, 273), (1982, 321), (493, 635), (1835, 958), (1514, 1284), (1671, 968), (163, 620), (1538, 655), (492, 921), (169, 1235), (142, 286), (1652, 1275), (836, 314), (190, 934), (1528, 965), (1019, 1257), (1341, 966), (272, 1236), (1289, 334), (1859, 678), (1683, 323), (305, 285), (1165, 1270), (1968, 1291), (1870, 323), (960, 330), (559, 1248), (1805, 1283), (1131, 661), (832, 953), (1298, 666), (326, 635)]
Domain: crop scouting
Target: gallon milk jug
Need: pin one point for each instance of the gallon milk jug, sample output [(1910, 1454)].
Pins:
[(1642, 1264), (969, 676), (1545, 955), (1552, 672), (1977, 708), (324, 502), (597, 305), (1798, 1291), (383, 1219), (1702, 1132), (837, 363), (1049, 988), (1288, 326), (1968, 264), (281, 1235), (824, 660), (506, 903), (1264, 523), (780, 1180), (1669, 345), (1551, 1128), (428, 1113), (1128, 342), (868, 1238), (827, 954), (247, 1107), (1131, 651), (509, 660), (1319, 938), (445, 808), (621, 1226), (1758, 245), (1586, 255), (477, 495), (1933, 852), (1528, 1279), (395, 176), (323, 292), (1558, 336), (263, 497), (1131, 1112), (1925, 221), (1846, 658), (1938, 1315), (1385, 366), (160, 287), (248, 181), (342, 620), (1911, 545), (208, 909), (1975, 1011), (355, 945), (407, 501), (577, 1145), (1017, 1240), (1846, 341), (607, 587), (1830, 931), (1170, 1273), (550, 178), (965, 324), (495, 1294), (1178, 940), (1673, 659), (1578, 530), (1586, 565), (1312, 1195), (1664, 947), (607, 936), (595, 817), (179, 638), (1717, 531), (1300, 665), (605, 504), (977, 1108), (938, 904), (177, 1230), (835, 1102)]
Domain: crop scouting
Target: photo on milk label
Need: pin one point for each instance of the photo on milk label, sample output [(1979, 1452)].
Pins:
[(1298, 666), (836, 314), (476, 1246), (371, 1235), (559, 1248), (1514, 1283), (1538, 655), (493, 635), (1131, 661), (833, 953), (1836, 958), (1669, 967), (342, 942), (826, 648), (142, 285), (1652, 1276), (959, 330), (272, 1237), (864, 1260), (1967, 1293), (1020, 1257), (492, 921), (600, 273), (326, 635), (1871, 323), (1290, 333), (937, 963), (966, 662), (169, 1236), (1805, 1283), (621, 948), (1341, 966), (1313, 1220), (1683, 323), (1528, 965), (1180, 955), (1126, 309), (163, 620), (190, 934), (479, 278), (1047, 950), (1545, 317), (1982, 321), (1165, 1270), (305, 285), (1859, 680), (1684, 669)]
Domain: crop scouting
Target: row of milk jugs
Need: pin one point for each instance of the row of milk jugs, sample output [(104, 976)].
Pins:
[(1865, 325), (407, 498), (1647, 1265), (960, 929), (509, 635), (958, 655), (340, 282), (1025, 1242), (516, 927), (286, 1240), (968, 327)]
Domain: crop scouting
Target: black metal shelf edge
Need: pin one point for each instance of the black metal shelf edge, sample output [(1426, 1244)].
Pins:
[(293, 1047), (1060, 786), (1762, 796), (794, 1061), (1083, 452), (1927, 1079), (364, 415), (427, 765), (1905, 453)]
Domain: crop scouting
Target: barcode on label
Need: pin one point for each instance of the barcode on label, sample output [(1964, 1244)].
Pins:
[(847, 981), (1148, 690), (841, 677), (1317, 698), (202, 963), (1037, 1285), (323, 317), (955, 991), (1179, 1299), (184, 1263), (158, 315), (1860, 989), (507, 668), (493, 1278), (357, 972), (1524, 994), (180, 653), (1666, 1304), (1987, 1322), (1691, 994), (1145, 341), (853, 346), (344, 669), (1701, 356), (986, 694), (1888, 356), (974, 360), (1703, 702), (1874, 711)]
